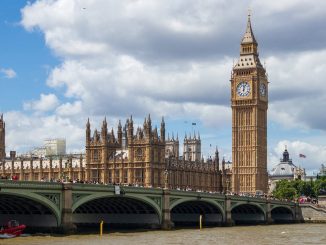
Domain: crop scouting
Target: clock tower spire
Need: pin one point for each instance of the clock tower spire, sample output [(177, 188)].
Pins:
[(249, 102)]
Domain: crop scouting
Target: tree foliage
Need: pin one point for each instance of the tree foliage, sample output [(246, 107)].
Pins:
[(291, 189)]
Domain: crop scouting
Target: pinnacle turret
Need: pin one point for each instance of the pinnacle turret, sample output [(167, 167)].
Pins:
[(249, 35)]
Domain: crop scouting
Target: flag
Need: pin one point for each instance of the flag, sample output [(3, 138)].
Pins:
[(193, 124), (301, 155)]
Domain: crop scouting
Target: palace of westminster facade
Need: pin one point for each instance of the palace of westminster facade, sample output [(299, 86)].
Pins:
[(146, 158)]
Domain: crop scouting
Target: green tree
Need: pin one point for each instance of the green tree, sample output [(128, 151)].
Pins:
[(290, 189), (285, 190)]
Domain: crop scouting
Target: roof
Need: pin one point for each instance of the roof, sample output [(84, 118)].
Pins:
[(249, 35)]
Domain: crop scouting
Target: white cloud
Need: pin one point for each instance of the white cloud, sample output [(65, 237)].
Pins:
[(174, 58), (8, 73), (47, 102), (297, 91), (69, 109), (23, 132)]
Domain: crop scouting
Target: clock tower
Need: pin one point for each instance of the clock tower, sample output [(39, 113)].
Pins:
[(249, 100)]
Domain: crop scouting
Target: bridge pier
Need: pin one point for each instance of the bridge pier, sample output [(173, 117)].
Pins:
[(67, 226), (228, 215), (268, 217), (167, 224), (298, 217)]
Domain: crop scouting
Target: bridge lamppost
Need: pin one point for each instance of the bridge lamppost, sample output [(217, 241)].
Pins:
[(166, 179), (227, 185)]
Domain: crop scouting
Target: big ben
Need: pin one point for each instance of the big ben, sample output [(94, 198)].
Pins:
[(249, 100)]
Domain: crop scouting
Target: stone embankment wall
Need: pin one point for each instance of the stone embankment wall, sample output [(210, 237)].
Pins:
[(311, 213)]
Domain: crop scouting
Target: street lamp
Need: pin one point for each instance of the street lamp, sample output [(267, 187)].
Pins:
[(227, 185), (166, 179)]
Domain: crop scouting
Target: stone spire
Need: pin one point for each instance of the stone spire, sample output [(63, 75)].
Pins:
[(104, 131), (120, 133), (2, 138), (162, 130), (249, 35), (88, 132)]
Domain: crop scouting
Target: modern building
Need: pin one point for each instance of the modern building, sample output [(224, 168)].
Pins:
[(249, 102), (38, 152), (54, 147), (285, 169)]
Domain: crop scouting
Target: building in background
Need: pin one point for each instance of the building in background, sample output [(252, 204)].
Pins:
[(37, 152), (55, 147), (285, 170), (51, 147), (249, 99)]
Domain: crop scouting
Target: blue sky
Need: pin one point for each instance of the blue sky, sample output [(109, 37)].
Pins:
[(26, 53), (64, 61)]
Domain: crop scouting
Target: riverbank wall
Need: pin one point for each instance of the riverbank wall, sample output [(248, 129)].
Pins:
[(313, 214)]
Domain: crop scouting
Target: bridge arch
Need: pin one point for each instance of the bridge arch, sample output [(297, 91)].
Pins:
[(248, 213), (187, 212), (282, 214), (117, 210), (30, 209)]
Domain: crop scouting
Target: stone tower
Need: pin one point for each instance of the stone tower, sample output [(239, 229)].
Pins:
[(192, 148), (172, 147), (249, 99), (2, 138)]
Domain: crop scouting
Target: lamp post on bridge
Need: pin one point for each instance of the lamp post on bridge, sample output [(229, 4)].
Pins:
[(166, 179), (227, 185)]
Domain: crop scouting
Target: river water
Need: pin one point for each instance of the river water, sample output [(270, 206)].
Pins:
[(240, 235)]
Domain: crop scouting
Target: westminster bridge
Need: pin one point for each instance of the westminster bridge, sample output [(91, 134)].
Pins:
[(65, 206)]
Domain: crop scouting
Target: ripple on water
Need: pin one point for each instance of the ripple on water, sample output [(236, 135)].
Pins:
[(239, 235)]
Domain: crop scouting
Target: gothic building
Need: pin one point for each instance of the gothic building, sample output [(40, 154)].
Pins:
[(172, 147), (192, 148), (146, 156), (140, 157), (2, 139), (249, 102), (140, 160)]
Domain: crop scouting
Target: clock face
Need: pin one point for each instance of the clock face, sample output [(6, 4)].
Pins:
[(262, 89), (243, 89)]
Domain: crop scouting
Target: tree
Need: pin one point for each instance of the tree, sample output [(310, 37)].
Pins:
[(291, 189), (285, 190)]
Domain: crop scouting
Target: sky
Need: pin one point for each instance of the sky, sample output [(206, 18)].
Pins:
[(62, 62)]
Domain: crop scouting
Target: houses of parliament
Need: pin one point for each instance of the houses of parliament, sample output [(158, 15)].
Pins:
[(143, 156)]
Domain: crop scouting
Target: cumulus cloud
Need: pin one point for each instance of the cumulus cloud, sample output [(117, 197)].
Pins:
[(8, 73), (23, 132), (297, 91), (69, 109), (47, 102), (174, 58)]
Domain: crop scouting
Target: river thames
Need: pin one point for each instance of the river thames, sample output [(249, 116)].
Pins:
[(272, 234)]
